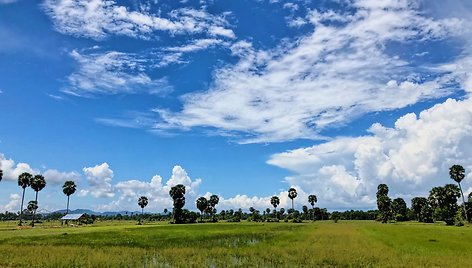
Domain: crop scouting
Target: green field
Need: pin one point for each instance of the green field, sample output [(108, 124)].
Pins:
[(319, 244)]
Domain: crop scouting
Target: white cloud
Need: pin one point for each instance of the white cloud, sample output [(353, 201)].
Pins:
[(411, 158), (13, 205), (99, 179), (99, 18), (287, 93), (112, 73), (11, 171), (156, 190)]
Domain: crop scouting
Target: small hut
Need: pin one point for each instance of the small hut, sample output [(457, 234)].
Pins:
[(76, 218)]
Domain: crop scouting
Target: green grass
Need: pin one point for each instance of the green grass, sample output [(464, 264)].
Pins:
[(320, 244)]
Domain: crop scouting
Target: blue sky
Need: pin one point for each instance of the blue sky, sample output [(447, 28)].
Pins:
[(243, 99)]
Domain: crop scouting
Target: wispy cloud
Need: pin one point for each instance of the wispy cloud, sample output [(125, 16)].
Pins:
[(340, 71), (99, 18), (112, 72)]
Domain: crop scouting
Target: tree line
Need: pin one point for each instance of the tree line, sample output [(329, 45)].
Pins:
[(440, 205)]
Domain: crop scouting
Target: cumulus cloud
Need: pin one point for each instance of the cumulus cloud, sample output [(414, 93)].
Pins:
[(287, 93), (156, 190), (13, 204), (99, 179), (99, 18), (12, 170), (112, 72), (411, 157)]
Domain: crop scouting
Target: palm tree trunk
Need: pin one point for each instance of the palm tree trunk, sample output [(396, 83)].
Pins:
[(293, 210), (313, 212), (22, 199), (463, 202), (67, 204), (34, 212)]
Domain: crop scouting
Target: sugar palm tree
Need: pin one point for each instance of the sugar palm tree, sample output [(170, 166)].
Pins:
[(456, 172), (32, 206), (312, 199), (292, 194), (69, 189), (24, 181), (143, 202), (177, 193), (37, 184), (275, 201), (202, 204)]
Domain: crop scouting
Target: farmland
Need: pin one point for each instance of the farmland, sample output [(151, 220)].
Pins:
[(245, 244)]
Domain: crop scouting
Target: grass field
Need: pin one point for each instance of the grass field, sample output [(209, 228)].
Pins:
[(319, 244)]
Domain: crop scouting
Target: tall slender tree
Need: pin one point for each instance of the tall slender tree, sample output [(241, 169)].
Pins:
[(457, 173), (69, 189), (384, 202), (143, 202), (202, 204), (312, 199), (275, 201), (37, 184), (24, 181), (292, 194)]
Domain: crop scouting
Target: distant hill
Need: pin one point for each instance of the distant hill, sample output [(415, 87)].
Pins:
[(91, 212)]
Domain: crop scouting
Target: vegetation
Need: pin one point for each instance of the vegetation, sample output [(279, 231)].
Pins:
[(292, 194), (24, 181), (177, 193), (37, 184), (143, 202), (69, 189), (319, 244)]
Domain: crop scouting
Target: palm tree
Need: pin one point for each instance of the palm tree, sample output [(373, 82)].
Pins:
[(24, 180), (292, 194), (32, 206), (37, 184), (177, 193), (68, 189), (202, 204), (275, 201), (143, 202), (456, 172), (312, 199), (212, 202)]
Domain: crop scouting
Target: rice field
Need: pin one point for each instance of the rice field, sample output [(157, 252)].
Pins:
[(318, 244)]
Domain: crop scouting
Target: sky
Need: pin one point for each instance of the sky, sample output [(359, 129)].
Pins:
[(239, 98)]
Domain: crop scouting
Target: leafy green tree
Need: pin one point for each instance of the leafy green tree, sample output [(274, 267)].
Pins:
[(143, 202), (443, 200), (69, 189), (417, 204), (457, 173), (292, 194), (177, 193), (212, 202), (202, 205), (470, 197), (275, 201), (384, 203), (24, 181), (426, 214), (32, 206), (37, 184), (399, 209), (312, 199)]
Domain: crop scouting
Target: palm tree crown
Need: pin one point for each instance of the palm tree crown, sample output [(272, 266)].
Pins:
[(275, 201), (38, 183), (24, 180), (69, 188), (143, 202), (457, 173), (202, 204), (312, 199)]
